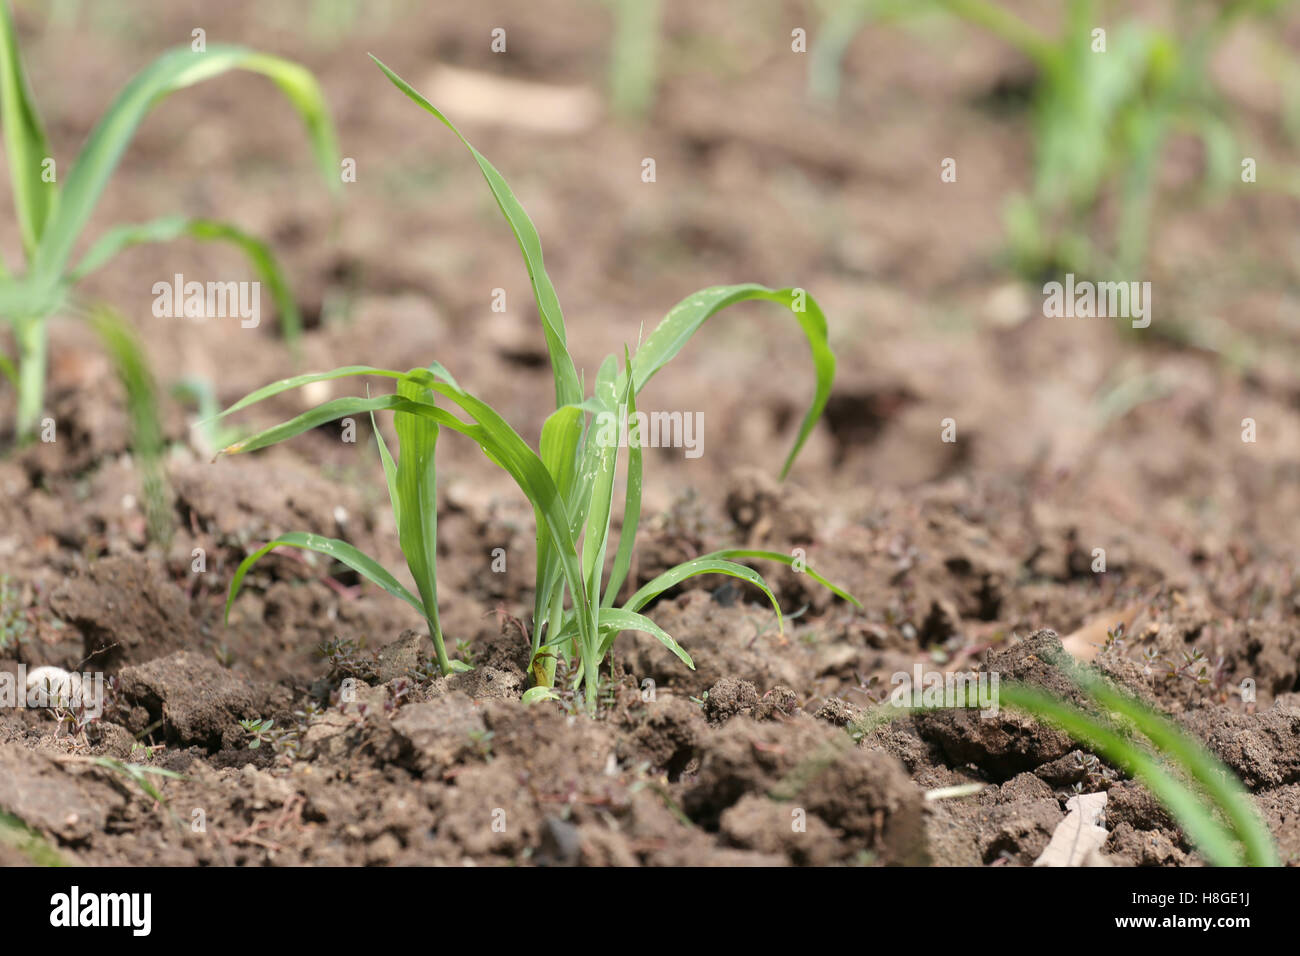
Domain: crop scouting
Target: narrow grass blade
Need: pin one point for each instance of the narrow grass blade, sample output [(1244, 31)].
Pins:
[(147, 441), (173, 70), (788, 560), (25, 140), (561, 437), (417, 494), (568, 389), (614, 621), (685, 318), (631, 502), (297, 381), (1218, 781), (1200, 825), (689, 569), (175, 227), (390, 472), (313, 418), (341, 551), (600, 462)]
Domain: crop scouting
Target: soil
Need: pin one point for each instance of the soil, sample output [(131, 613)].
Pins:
[(975, 554)]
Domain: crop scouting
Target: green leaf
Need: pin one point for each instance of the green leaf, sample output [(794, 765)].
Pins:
[(313, 418), (615, 620), (417, 496), (173, 70), (25, 139), (568, 390), (599, 463), (390, 472), (631, 503), (685, 318), (175, 227), (1218, 781), (297, 381), (494, 436), (147, 441), (341, 551), (689, 569), (788, 560), (561, 436), (535, 695), (1195, 819)]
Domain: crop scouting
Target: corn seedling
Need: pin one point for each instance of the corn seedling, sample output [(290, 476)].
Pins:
[(1105, 104), (569, 480), (51, 218)]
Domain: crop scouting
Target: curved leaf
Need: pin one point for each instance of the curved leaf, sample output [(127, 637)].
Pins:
[(535, 695), (25, 139), (788, 561), (341, 551), (568, 389), (689, 569), (1218, 781), (297, 381), (1196, 820), (210, 230), (173, 70), (614, 621), (685, 318), (313, 418)]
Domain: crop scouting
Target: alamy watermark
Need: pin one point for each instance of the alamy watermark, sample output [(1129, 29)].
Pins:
[(651, 430), (1087, 300), (200, 301), (53, 687)]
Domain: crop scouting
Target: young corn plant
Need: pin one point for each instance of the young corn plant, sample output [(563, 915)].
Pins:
[(569, 480), (51, 218), (1103, 110)]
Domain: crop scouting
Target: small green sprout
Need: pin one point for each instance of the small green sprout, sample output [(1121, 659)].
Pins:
[(258, 731)]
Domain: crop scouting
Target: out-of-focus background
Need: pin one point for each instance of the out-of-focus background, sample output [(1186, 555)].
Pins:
[(923, 168), (793, 144)]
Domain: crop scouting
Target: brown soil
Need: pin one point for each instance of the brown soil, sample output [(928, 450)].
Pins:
[(963, 555)]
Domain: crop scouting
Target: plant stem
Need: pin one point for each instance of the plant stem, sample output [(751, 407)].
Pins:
[(439, 646), (590, 679), (32, 343)]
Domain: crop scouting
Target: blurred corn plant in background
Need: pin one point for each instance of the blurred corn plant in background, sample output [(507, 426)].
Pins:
[(51, 219), (634, 55), (1104, 107)]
